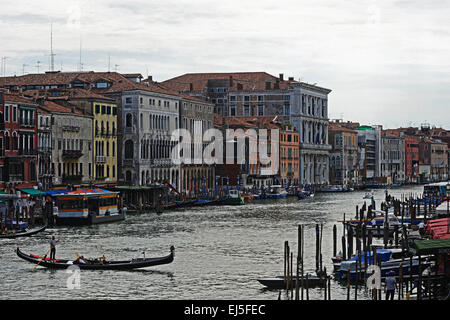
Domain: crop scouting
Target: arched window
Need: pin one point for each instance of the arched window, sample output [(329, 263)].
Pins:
[(129, 120), (7, 141), (128, 176), (129, 149)]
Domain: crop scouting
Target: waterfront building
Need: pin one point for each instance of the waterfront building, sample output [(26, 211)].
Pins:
[(392, 158), (369, 143), (244, 94), (196, 177), (433, 160), (18, 142), (344, 155), (44, 148), (289, 156), (72, 150)]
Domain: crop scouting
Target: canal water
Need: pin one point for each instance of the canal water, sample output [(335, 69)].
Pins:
[(220, 251)]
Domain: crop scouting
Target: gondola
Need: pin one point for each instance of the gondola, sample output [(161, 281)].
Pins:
[(98, 264), (277, 282), (27, 233)]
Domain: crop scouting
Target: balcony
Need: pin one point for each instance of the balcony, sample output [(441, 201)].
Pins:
[(27, 122), (128, 162), (44, 149), (315, 146), (71, 128), (71, 154), (100, 159), (27, 152), (128, 130)]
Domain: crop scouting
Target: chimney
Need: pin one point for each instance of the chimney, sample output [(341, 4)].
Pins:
[(150, 79), (281, 77), (291, 78), (268, 85)]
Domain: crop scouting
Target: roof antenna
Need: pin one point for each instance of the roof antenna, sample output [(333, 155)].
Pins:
[(109, 62), (115, 67), (52, 55), (37, 65)]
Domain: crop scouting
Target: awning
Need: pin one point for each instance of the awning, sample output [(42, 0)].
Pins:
[(33, 192), (431, 246)]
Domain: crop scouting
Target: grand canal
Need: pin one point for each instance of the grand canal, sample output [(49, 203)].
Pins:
[(220, 251)]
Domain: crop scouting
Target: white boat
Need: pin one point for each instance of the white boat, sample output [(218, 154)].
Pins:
[(276, 192)]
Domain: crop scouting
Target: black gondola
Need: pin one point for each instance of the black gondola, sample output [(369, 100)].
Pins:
[(98, 265), (10, 235)]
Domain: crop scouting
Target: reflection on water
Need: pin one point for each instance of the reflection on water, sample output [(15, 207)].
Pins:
[(219, 251)]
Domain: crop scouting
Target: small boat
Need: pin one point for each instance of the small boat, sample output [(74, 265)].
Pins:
[(248, 197), (305, 194), (97, 264), (368, 196), (277, 282), (25, 233), (334, 189), (234, 198), (276, 192)]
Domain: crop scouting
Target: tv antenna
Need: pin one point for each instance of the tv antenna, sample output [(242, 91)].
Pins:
[(37, 65), (52, 55), (115, 67)]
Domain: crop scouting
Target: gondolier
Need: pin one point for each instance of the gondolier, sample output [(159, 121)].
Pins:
[(53, 243)]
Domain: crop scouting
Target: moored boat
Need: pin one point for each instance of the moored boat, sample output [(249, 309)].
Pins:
[(98, 264), (23, 233), (276, 192), (234, 198), (87, 206), (278, 282)]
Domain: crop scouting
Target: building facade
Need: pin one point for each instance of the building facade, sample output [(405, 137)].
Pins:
[(44, 144), (257, 94), (289, 156), (19, 142), (392, 158), (343, 156), (72, 150)]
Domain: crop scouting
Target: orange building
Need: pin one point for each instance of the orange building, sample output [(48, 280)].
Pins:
[(289, 157)]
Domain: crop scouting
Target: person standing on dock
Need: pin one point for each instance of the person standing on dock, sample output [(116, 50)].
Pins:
[(53, 243), (391, 285)]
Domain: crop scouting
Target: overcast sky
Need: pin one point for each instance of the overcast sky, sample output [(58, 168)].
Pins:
[(387, 62)]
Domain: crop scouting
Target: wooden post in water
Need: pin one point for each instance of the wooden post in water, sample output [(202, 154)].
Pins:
[(285, 261), (419, 284), (396, 235), (320, 246), (350, 242), (301, 251), (307, 287), (334, 240), (317, 246), (291, 285), (329, 288), (356, 216), (348, 283), (356, 280), (299, 254), (344, 249)]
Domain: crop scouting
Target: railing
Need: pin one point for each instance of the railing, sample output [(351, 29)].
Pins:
[(27, 152), (129, 130), (15, 177), (71, 128), (72, 154), (100, 159), (45, 149), (128, 162), (27, 122)]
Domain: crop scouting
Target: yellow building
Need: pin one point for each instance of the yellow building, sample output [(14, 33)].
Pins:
[(104, 112)]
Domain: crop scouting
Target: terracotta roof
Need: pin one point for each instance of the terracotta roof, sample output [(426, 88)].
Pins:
[(16, 98), (261, 122), (51, 106), (338, 127), (249, 80)]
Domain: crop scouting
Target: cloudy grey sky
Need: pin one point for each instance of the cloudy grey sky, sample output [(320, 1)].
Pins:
[(387, 62)]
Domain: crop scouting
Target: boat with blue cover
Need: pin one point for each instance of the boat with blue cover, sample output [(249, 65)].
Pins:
[(276, 192)]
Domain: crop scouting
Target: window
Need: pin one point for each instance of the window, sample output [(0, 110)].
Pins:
[(108, 110), (114, 111), (102, 85), (7, 113), (129, 146), (260, 98), (287, 110), (232, 111), (232, 98), (97, 108), (129, 120), (260, 110), (141, 100), (14, 114), (128, 100), (246, 98), (103, 109), (246, 110), (287, 98)]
